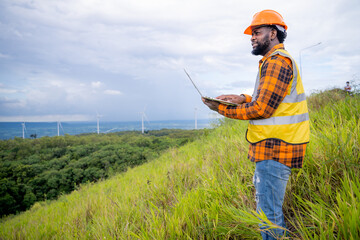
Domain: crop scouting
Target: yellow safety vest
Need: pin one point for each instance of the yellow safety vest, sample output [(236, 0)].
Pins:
[(290, 122)]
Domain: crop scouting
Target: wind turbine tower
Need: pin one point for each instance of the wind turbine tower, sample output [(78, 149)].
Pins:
[(23, 130), (143, 116), (142, 122), (98, 122)]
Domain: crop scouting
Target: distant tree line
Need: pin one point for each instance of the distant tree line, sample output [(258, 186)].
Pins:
[(40, 169)]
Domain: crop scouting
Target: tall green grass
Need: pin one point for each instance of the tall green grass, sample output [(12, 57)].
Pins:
[(204, 190), (325, 200)]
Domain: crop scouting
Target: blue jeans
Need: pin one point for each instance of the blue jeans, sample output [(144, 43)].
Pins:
[(270, 181)]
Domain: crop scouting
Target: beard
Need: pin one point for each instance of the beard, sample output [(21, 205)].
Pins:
[(261, 47)]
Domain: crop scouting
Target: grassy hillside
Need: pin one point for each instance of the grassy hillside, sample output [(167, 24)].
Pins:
[(204, 189)]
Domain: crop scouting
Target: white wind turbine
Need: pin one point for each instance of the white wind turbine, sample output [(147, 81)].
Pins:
[(58, 128), (143, 116), (98, 122), (23, 130)]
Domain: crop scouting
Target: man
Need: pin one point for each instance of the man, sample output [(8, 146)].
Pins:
[(278, 117), (348, 87)]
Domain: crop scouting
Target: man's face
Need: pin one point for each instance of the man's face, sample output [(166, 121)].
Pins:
[(260, 40)]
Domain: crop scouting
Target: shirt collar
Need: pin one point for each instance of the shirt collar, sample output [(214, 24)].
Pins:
[(278, 46)]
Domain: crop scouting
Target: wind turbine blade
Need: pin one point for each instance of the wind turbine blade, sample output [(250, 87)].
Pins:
[(146, 118), (62, 128), (98, 115), (110, 130)]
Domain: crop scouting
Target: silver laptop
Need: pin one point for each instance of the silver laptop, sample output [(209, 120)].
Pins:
[(210, 98)]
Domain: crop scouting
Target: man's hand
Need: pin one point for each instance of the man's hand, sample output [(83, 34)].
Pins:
[(211, 104), (238, 99)]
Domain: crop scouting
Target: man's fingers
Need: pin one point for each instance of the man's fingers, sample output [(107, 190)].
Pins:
[(223, 97), (210, 104)]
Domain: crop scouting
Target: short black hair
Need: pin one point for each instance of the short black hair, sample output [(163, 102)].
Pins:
[(280, 35)]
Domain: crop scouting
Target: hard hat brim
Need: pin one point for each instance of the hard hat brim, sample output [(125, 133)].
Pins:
[(248, 31)]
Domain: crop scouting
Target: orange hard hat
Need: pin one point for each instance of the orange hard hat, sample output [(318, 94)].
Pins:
[(266, 17)]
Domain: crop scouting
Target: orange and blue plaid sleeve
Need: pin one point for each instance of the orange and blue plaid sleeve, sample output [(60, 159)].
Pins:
[(276, 75)]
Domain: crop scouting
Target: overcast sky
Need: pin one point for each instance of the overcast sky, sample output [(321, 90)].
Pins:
[(71, 59)]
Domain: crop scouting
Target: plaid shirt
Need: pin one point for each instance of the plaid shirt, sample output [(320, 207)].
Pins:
[(276, 75)]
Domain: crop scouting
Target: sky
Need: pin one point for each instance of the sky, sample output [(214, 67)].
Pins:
[(72, 60)]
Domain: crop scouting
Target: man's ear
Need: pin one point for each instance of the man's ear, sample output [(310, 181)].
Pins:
[(273, 34)]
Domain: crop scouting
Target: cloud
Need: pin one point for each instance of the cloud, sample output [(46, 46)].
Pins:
[(97, 84), (46, 118), (8, 91), (70, 57), (112, 92), (4, 55), (9, 103)]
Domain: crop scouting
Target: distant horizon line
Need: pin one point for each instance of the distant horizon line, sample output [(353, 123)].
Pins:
[(74, 121)]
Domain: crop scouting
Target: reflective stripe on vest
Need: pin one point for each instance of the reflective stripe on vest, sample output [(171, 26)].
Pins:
[(290, 121)]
